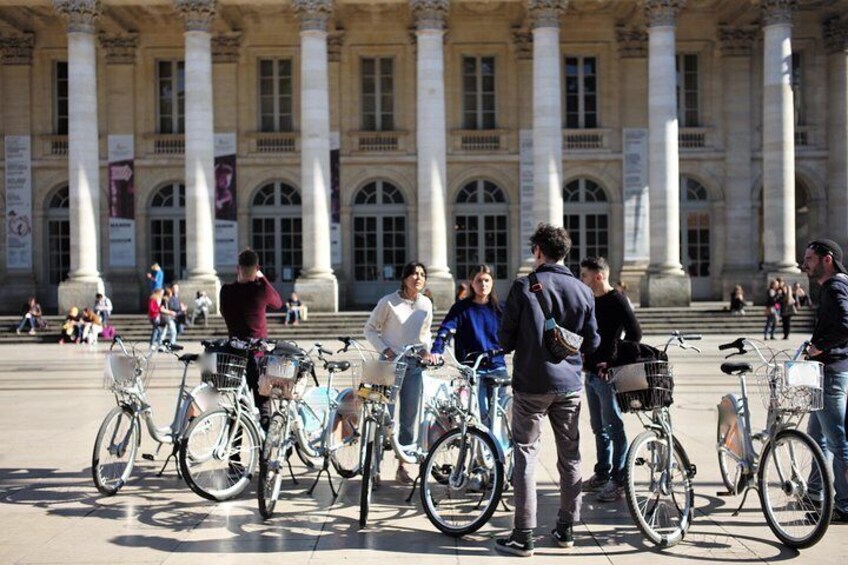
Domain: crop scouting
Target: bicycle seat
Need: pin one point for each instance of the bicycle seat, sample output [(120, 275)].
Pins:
[(501, 380), (189, 357), (338, 366), (736, 368)]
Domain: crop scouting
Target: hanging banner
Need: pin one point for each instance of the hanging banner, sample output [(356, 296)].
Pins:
[(335, 200), (18, 180), (525, 176), (226, 208), (121, 201), (636, 203)]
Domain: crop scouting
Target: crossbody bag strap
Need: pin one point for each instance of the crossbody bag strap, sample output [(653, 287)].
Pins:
[(536, 288)]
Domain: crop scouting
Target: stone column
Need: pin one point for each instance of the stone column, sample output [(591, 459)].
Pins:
[(84, 279), (836, 42), (740, 235), (778, 139), (199, 149), (431, 130), (666, 284), (317, 286)]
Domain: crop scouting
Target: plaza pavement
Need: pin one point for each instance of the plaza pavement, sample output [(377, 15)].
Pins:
[(51, 404)]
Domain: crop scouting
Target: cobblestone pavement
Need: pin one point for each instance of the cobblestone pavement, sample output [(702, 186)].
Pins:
[(52, 403)]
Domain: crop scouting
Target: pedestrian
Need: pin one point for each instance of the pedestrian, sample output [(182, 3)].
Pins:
[(293, 306), (829, 345), (737, 301), (102, 307), (176, 305), (202, 303), (544, 385), (156, 277), (92, 325), (476, 321), (615, 318), (168, 317), (243, 305), (31, 314), (400, 319), (772, 310), (154, 306), (802, 299), (787, 309), (72, 326)]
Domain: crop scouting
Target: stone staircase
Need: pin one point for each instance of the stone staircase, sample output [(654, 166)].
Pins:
[(704, 318)]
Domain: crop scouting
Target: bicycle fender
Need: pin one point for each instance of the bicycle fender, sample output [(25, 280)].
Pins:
[(483, 429)]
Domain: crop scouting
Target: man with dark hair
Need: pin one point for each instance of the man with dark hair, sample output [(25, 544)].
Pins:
[(829, 344), (544, 385), (243, 306), (614, 316)]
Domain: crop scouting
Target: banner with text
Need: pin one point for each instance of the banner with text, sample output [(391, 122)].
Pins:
[(18, 181), (636, 203), (226, 205), (525, 176), (121, 201), (335, 199)]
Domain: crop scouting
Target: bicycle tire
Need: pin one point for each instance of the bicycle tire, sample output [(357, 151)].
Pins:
[(128, 445), (509, 451), (219, 484), (436, 474), (367, 475), (818, 516), (345, 439), (270, 477), (644, 515), (725, 463)]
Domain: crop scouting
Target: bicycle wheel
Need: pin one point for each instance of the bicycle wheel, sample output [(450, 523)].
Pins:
[(659, 488), (270, 463), (730, 469), (789, 464), (114, 450), (506, 440), (219, 453), (345, 437), (368, 472), (462, 480)]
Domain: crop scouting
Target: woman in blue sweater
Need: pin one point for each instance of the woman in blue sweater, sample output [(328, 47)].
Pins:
[(476, 320)]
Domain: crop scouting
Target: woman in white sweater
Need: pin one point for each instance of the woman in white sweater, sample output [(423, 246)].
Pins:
[(400, 319)]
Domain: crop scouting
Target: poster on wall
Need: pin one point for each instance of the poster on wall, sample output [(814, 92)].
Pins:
[(636, 203), (525, 174), (335, 200), (18, 180), (226, 208), (121, 201)]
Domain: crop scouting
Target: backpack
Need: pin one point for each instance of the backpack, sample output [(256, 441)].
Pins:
[(108, 332)]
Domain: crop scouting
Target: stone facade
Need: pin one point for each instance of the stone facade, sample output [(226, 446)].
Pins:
[(720, 145)]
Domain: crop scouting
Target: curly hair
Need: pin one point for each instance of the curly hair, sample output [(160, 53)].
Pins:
[(553, 241)]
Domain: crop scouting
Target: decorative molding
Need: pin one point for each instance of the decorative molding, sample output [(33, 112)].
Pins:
[(546, 13), (17, 49), (522, 39), (835, 32), (662, 13), (198, 14), (314, 15), (429, 14), (737, 41), (225, 47), (776, 12), (81, 15), (632, 43), (335, 42), (120, 49)]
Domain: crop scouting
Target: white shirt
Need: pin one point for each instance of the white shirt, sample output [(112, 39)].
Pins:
[(397, 322)]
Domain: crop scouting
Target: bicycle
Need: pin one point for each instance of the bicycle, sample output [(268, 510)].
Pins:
[(659, 487), (465, 471), (797, 514), (220, 449), (119, 437), (296, 423)]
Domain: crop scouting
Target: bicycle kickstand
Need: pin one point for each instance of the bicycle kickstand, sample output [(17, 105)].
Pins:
[(324, 469), (291, 471), (414, 485), (744, 498), (165, 465)]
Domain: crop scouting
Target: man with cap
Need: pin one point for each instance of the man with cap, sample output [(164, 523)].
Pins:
[(829, 344)]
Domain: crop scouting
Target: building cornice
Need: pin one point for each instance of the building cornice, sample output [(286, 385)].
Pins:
[(662, 13), (120, 49), (314, 15), (835, 32), (225, 47), (81, 15), (546, 13), (737, 41), (777, 12), (429, 14), (17, 49), (522, 39), (632, 43), (198, 14), (335, 43)]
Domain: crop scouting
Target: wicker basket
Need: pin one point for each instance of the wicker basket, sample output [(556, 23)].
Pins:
[(120, 372), (793, 387), (382, 380), (224, 371), (642, 387), (279, 377)]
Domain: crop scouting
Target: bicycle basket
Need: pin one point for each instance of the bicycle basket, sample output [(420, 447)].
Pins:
[(224, 371), (382, 380), (793, 387), (279, 377), (641, 387), (120, 372)]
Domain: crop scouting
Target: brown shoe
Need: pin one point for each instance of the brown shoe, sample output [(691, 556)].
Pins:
[(402, 476)]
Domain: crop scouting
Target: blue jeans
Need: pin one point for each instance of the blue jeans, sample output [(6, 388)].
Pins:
[(27, 319), (608, 428), (485, 391), (827, 428), (170, 332), (292, 315), (771, 325), (156, 333), (410, 395)]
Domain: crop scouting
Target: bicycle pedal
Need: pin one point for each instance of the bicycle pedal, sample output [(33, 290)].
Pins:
[(148, 457), (693, 470)]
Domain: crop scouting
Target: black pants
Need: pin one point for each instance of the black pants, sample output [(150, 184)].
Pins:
[(787, 325), (262, 402)]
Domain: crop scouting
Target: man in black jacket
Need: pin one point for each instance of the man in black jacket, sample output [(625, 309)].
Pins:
[(829, 344), (543, 385)]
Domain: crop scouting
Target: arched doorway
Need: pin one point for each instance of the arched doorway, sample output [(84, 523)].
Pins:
[(695, 236), (168, 230), (586, 217), (276, 233), (58, 243)]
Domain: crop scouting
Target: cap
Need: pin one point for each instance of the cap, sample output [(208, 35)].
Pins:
[(829, 247)]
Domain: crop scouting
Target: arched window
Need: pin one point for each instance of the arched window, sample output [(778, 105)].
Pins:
[(379, 232), (586, 217), (168, 230), (276, 231), (481, 229), (695, 234), (58, 236)]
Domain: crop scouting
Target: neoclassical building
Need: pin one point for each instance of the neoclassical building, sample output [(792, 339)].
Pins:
[(697, 144)]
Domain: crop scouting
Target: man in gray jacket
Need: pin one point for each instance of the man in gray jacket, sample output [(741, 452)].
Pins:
[(542, 385)]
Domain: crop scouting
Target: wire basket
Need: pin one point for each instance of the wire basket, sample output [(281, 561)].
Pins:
[(224, 371), (792, 387), (125, 374), (381, 380), (642, 387), (280, 377)]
